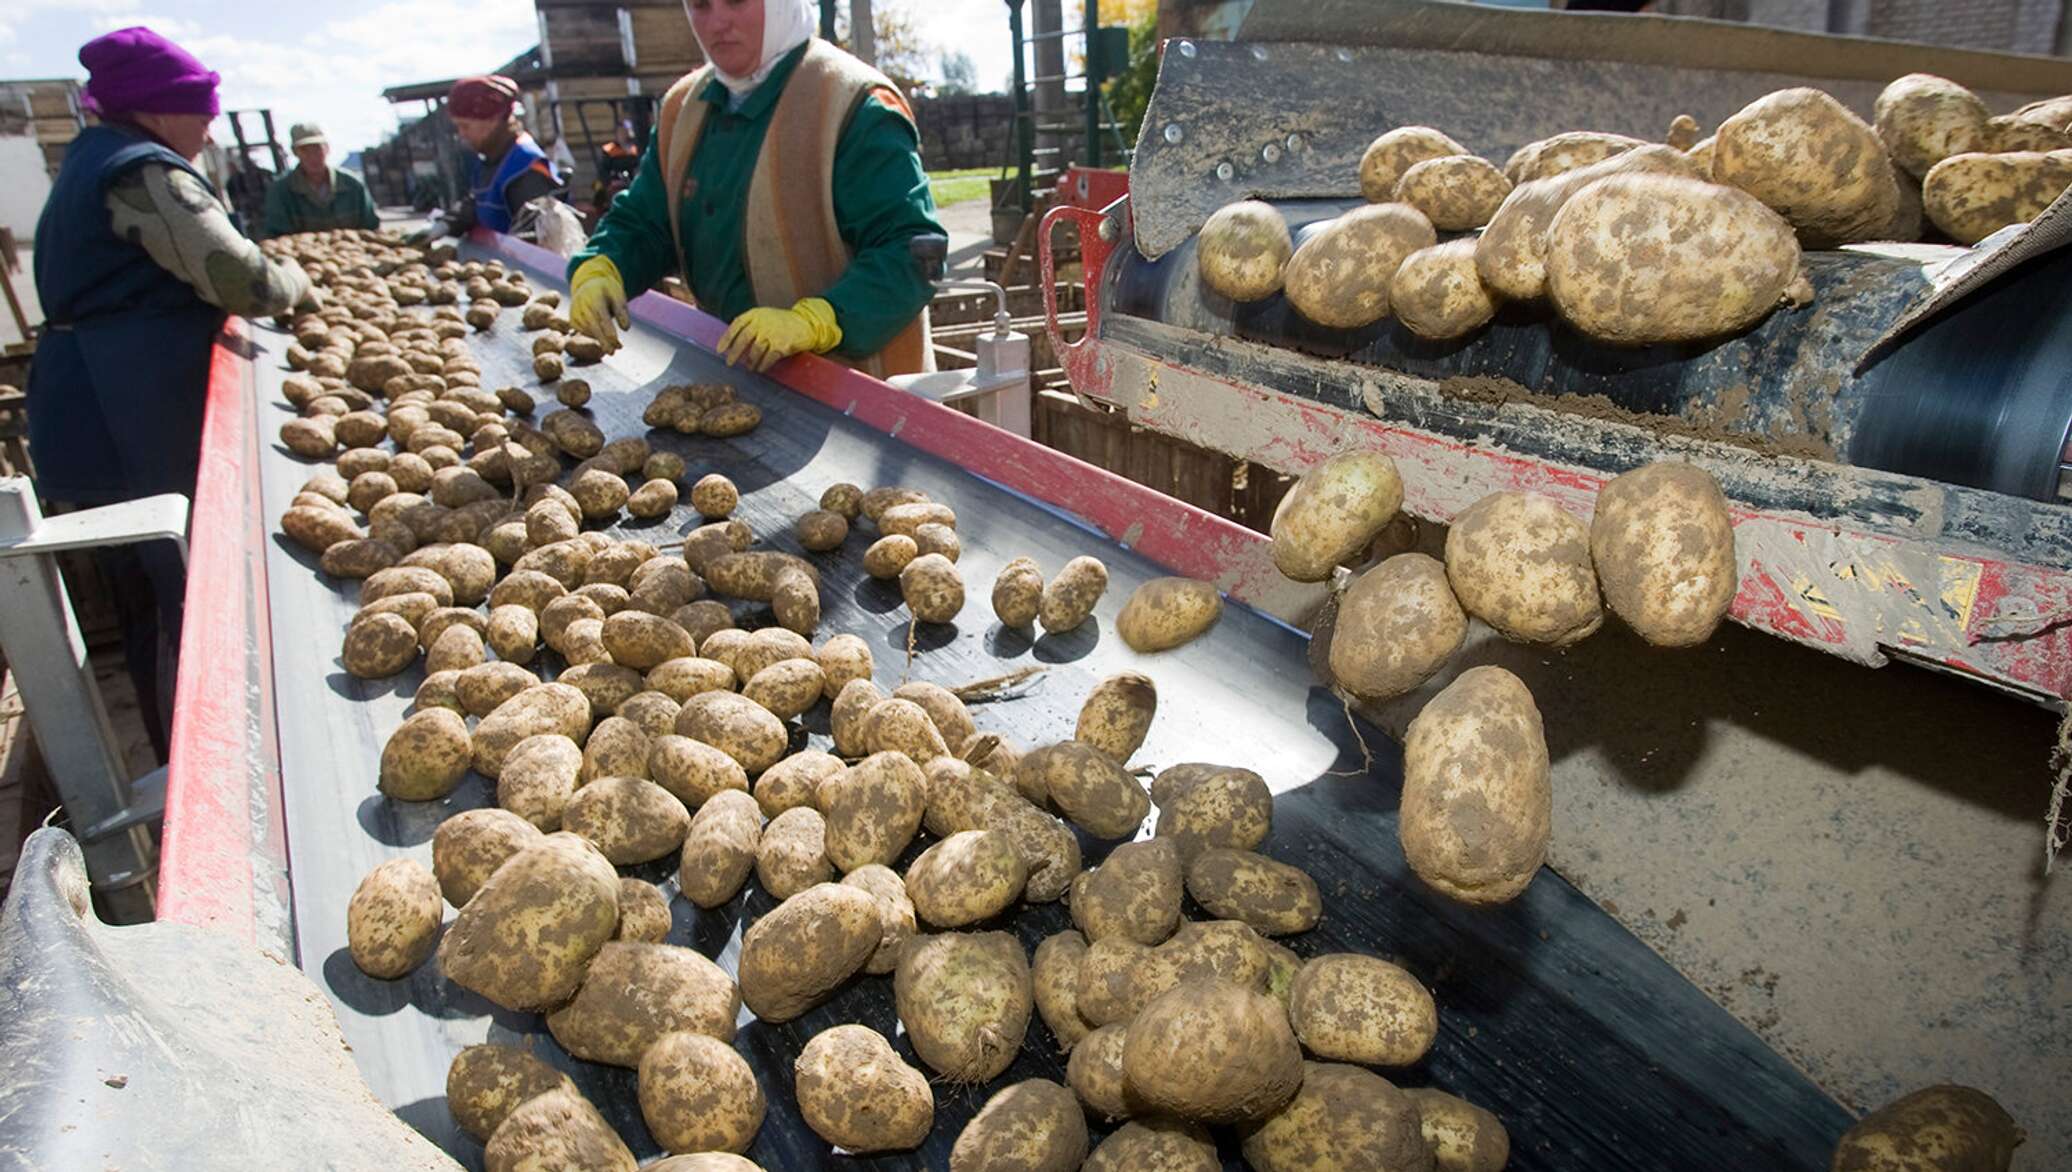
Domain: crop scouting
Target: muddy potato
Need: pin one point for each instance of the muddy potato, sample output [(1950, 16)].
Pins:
[(843, 500), (843, 658), (945, 710), (795, 600), (795, 781), (1455, 193), (1970, 197), (895, 914), (1094, 1071), (702, 619), (1565, 152), (1018, 593), (630, 819), (1156, 1145), (1438, 294), (2011, 132), (527, 938), (1924, 119), (965, 1000), (1333, 513), (932, 588), (538, 592), (1165, 613), (1346, 1007), (438, 691), (1388, 157), (604, 684), (767, 646), (1215, 1052), (1662, 543), (1119, 976), (730, 419), (312, 437), (637, 993), (970, 876), (378, 646), (546, 708), (392, 921), (1242, 249), (1521, 563), (663, 466), (1116, 716), (1397, 625), (539, 777), (686, 676), (908, 517), (1343, 1117), (822, 530), (1070, 597), (654, 714), (1805, 155), (357, 557), (414, 606), (1087, 786), (514, 633), (754, 576), (693, 770), (720, 849), (856, 1093), (1134, 894), (1476, 812), (737, 726), (1461, 1136), (426, 757), (849, 717), (1031, 1126), (796, 956), (787, 688), (600, 493), (698, 1094), (962, 797), (938, 539), (643, 641), (653, 499), (1936, 1129), (873, 810), (792, 856), (643, 912), (1054, 973), (1511, 253), (888, 556), (558, 1129), (1276, 899), (458, 648), (714, 496), (468, 847), (486, 1083), (902, 726)]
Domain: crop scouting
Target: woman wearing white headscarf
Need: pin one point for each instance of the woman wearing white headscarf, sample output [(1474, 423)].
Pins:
[(783, 182)]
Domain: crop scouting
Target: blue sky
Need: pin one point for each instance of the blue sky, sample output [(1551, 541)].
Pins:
[(330, 62)]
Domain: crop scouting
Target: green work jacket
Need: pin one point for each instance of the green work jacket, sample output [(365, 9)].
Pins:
[(881, 201), (291, 204)]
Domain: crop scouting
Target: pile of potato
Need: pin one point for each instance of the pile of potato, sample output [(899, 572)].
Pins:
[(1634, 243)]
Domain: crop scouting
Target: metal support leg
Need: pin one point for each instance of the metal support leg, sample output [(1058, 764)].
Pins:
[(40, 636)]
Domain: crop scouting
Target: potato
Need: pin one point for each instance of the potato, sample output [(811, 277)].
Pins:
[(1030, 1126), (378, 646), (938, 539), (970, 876), (1351, 1008), (1055, 976), (1511, 253), (1924, 119), (795, 781), (698, 1095), (559, 1129), (1397, 625), (796, 956), (965, 1000), (730, 419), (526, 939), (637, 993), (2055, 113), (1455, 193), (768, 646), (714, 496), (318, 529), (514, 633), (1520, 563), (1476, 811), (468, 848), (1087, 786), (703, 619), (415, 607), (1969, 197), (1343, 1117), (644, 641), (1070, 597), (907, 518), (457, 648), (855, 1092), (1119, 976), (948, 713), (1117, 715), (753, 576), (1215, 1052), (486, 1083), (664, 466), (1165, 613), (821, 530), (843, 500), (1936, 1129), (1018, 593), (434, 626), (1462, 1137), (312, 438), (843, 658), (547, 367), (1156, 1145), (1662, 543), (1276, 899), (643, 912), (1094, 1071), (932, 588), (1438, 294), (737, 726), (895, 914), (1134, 894), (720, 849), (849, 717), (1227, 808), (546, 708), (392, 920), (792, 856), (693, 770), (539, 777), (1333, 513), (902, 726), (369, 488), (603, 683), (787, 688), (686, 676), (573, 434), (873, 810), (1819, 166), (1565, 152), (1242, 249), (1397, 151), (2009, 132), (630, 819), (539, 592), (653, 713), (426, 757), (704, 1162)]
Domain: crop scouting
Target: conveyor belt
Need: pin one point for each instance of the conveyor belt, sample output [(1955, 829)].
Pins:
[(1593, 1050)]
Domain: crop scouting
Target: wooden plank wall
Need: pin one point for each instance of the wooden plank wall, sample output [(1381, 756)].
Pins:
[(1245, 493), (610, 51)]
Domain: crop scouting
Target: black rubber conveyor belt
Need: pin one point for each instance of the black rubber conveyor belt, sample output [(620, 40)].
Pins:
[(1596, 1053)]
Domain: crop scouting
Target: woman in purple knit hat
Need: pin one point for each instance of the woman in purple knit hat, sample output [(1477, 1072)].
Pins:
[(137, 263)]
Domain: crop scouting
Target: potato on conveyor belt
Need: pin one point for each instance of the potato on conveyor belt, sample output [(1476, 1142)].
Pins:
[(1924, 119), (932, 588), (965, 1000), (1068, 599), (1134, 894), (1054, 975), (468, 847), (1242, 249), (1165, 613), (797, 955), (795, 781), (896, 915), (426, 757), (526, 939), (792, 855), (559, 1129), (392, 922), (1087, 786), (970, 876), (1970, 197), (1662, 542), (1561, 153), (697, 1094), (1275, 898), (1340, 275), (1333, 512), (1936, 1129), (1346, 1007), (1461, 1136), (1017, 592), (630, 819), (1511, 253), (1396, 151), (873, 809), (1805, 155), (856, 1093), (643, 912), (1094, 1072), (1457, 193), (486, 1083), (1030, 1126), (1438, 293), (1119, 977), (1397, 625), (1213, 1052), (1343, 1117), (1116, 716), (1202, 806), (720, 848), (1156, 1145), (1477, 810), (633, 994)]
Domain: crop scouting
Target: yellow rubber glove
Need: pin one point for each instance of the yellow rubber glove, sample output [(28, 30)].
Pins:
[(764, 335), (597, 301)]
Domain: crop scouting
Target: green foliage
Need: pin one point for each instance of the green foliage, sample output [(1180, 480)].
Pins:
[(1129, 93)]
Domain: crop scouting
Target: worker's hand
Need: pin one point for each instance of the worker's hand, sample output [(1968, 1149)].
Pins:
[(597, 301), (760, 337)]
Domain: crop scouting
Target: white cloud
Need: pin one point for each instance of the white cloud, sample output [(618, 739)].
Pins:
[(177, 28)]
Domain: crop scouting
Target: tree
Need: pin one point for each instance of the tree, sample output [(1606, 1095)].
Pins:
[(1129, 92), (903, 54), (959, 75)]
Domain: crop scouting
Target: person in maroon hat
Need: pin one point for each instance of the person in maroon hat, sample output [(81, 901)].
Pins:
[(137, 262), (509, 169)]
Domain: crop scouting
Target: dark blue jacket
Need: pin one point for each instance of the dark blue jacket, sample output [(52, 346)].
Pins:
[(121, 372), (492, 192)]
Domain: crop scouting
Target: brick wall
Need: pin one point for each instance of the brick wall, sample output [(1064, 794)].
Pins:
[(2007, 26), (965, 130)]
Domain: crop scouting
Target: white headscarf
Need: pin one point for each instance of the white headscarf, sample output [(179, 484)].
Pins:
[(787, 24)]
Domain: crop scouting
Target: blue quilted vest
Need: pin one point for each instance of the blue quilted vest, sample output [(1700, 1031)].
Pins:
[(492, 211)]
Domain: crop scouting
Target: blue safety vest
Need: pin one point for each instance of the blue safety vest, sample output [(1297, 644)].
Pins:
[(491, 209)]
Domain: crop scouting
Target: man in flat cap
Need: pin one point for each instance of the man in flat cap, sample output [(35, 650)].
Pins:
[(315, 195)]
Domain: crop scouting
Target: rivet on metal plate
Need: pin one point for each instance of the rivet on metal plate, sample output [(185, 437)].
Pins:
[(1259, 52), (1342, 53), (1225, 171), (1294, 143), (1108, 230), (1187, 49), (1272, 152), (1173, 133)]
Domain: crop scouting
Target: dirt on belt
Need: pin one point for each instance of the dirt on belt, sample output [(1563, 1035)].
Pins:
[(1707, 423)]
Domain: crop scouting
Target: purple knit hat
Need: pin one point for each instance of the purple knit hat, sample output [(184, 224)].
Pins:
[(136, 71)]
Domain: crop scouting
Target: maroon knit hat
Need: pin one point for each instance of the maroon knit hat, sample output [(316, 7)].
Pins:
[(482, 97), (136, 71)]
